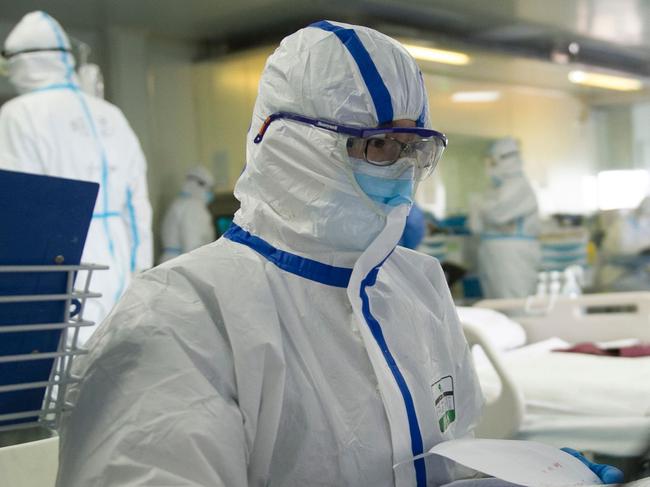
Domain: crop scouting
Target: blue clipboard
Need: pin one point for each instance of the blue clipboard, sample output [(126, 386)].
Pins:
[(41, 218)]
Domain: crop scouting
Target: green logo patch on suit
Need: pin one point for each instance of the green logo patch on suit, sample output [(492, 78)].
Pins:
[(443, 392)]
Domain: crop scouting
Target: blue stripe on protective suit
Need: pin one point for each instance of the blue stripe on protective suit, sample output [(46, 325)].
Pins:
[(110, 214), (134, 229), (417, 447), (371, 77), (340, 277), (300, 266), (75, 89), (61, 45), (102, 153), (58, 86)]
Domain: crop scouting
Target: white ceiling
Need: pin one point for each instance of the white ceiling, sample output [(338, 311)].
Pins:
[(625, 23), (513, 36), (192, 19)]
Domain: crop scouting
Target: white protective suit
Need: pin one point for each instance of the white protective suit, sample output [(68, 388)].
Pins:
[(188, 223), (55, 129), (303, 348), (507, 220), (624, 268)]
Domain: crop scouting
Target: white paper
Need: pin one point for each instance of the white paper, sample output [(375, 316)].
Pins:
[(521, 462)]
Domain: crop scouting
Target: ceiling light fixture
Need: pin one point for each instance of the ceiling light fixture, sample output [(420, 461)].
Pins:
[(475, 96), (607, 81), (437, 55)]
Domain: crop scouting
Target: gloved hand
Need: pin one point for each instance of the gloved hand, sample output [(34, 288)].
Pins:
[(607, 473)]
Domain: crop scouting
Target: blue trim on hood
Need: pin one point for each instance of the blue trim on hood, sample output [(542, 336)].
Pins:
[(375, 84), (65, 59), (300, 266)]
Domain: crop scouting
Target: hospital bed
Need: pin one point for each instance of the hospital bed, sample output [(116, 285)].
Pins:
[(594, 403)]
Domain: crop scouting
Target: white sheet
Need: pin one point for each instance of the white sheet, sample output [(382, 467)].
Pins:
[(584, 401), (571, 383), (521, 462), (503, 333), (610, 435)]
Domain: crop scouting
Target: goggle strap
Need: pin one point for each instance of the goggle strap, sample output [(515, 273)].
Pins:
[(8, 55), (260, 135)]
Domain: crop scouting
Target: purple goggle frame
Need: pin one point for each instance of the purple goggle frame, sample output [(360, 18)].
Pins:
[(347, 130)]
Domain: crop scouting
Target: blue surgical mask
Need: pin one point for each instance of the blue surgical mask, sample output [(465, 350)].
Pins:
[(391, 192), (208, 196), (386, 192)]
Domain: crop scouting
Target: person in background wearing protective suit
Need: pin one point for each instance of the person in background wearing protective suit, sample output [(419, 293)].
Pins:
[(304, 347), (188, 223), (91, 80), (507, 221), (626, 252), (55, 129)]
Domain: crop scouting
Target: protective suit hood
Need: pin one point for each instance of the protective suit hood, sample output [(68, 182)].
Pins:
[(198, 180), (31, 71), (297, 191), (506, 158)]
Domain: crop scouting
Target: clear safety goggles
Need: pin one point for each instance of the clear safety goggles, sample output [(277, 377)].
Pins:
[(394, 147), (6, 55)]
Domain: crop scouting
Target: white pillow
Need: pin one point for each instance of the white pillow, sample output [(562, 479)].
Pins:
[(501, 331)]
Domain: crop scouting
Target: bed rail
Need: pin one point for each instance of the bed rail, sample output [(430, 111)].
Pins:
[(590, 317)]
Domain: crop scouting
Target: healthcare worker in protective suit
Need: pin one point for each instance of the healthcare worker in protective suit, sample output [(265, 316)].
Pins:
[(91, 80), (53, 128), (188, 223), (507, 221), (304, 347), (626, 252)]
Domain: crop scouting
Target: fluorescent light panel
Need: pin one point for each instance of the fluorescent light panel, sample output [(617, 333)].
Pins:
[(437, 55), (475, 96), (607, 81)]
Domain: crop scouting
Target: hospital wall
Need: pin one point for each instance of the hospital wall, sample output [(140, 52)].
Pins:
[(555, 128), (150, 79), (225, 92)]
